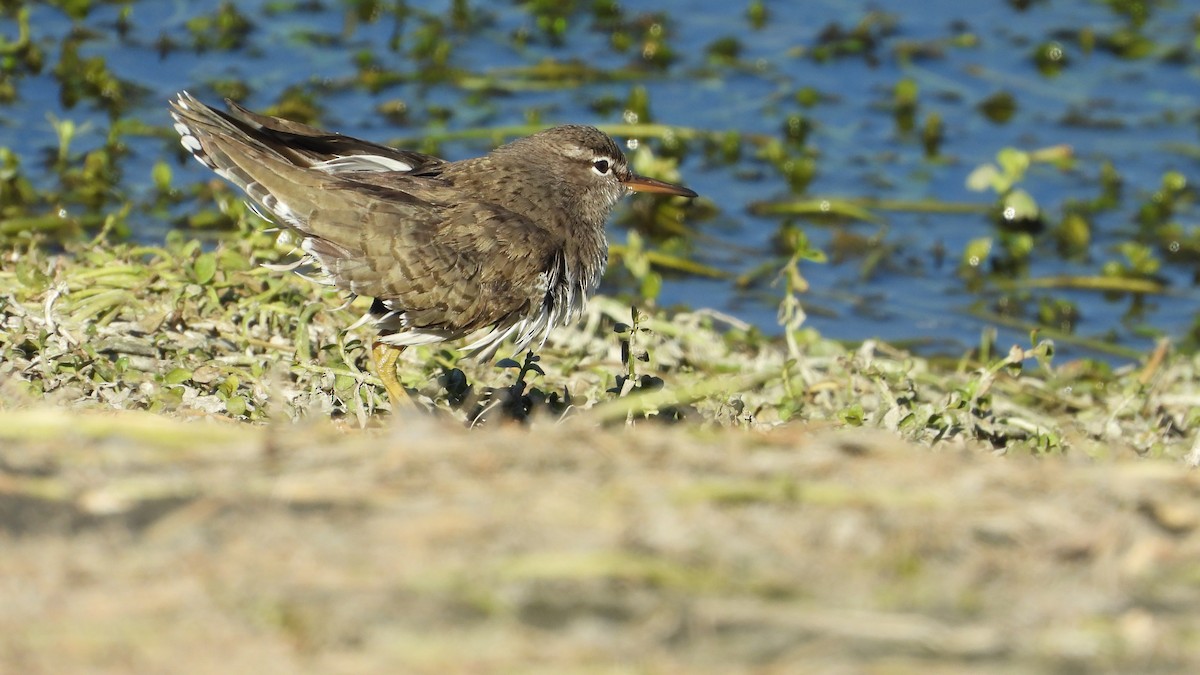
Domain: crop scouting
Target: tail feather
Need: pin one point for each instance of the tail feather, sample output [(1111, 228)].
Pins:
[(281, 164), (308, 146), (279, 186), (217, 140)]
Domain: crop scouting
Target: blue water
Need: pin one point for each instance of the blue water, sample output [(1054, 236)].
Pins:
[(1149, 106)]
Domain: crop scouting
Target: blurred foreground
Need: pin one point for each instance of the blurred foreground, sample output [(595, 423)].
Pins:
[(137, 543)]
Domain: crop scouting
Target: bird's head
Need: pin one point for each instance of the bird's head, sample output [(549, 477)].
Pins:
[(584, 166)]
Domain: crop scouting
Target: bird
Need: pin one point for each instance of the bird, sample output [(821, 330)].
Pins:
[(506, 245)]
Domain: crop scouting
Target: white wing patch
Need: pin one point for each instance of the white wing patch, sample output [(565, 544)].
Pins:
[(353, 163)]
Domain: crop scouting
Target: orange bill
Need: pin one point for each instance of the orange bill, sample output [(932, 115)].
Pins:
[(643, 184)]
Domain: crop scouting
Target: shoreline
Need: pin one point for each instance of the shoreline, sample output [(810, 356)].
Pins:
[(182, 331)]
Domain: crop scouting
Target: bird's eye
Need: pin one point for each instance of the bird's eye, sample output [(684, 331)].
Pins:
[(601, 166)]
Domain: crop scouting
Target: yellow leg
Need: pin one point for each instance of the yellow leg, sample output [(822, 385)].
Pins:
[(385, 357)]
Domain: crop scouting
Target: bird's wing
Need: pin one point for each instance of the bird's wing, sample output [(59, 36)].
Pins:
[(300, 144), (455, 268), (278, 178)]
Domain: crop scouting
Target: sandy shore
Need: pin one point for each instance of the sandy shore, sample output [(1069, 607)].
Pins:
[(427, 548)]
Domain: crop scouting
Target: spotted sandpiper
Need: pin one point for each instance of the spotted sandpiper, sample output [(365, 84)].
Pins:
[(509, 244)]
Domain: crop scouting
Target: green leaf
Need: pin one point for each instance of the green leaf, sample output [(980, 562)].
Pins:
[(679, 264), (1174, 181), (204, 268), (977, 251), (178, 376), (816, 208), (651, 285), (161, 175), (853, 416), (1013, 163), (1075, 232), (983, 178), (236, 405), (1019, 205)]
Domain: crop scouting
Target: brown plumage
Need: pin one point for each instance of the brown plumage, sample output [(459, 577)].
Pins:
[(509, 244)]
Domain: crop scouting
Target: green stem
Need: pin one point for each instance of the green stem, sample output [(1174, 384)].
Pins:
[(1091, 283), (1096, 345)]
